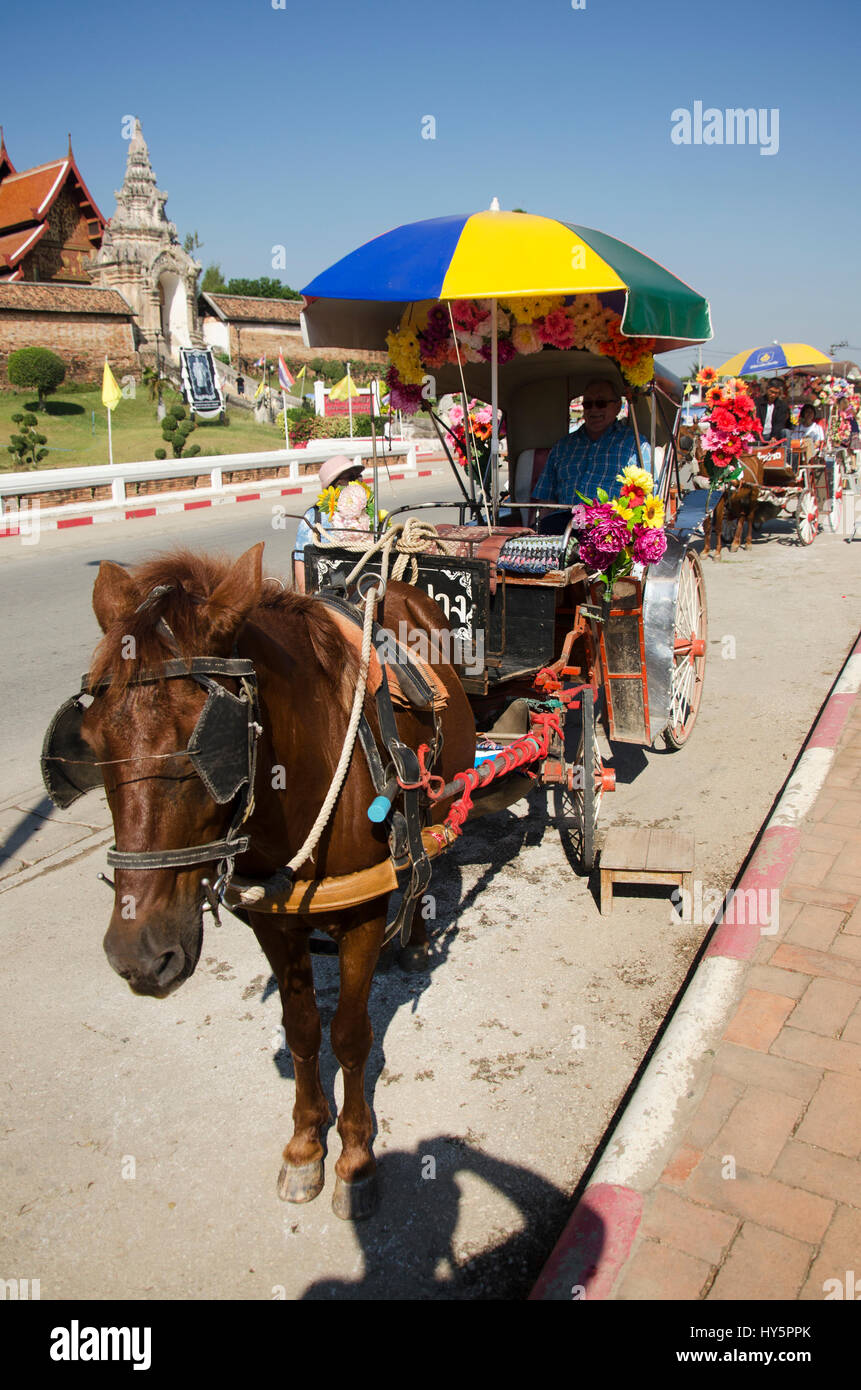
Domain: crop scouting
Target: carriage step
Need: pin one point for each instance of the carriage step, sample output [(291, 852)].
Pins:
[(645, 856)]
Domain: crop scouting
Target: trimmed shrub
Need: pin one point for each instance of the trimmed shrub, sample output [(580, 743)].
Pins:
[(25, 445), (37, 369)]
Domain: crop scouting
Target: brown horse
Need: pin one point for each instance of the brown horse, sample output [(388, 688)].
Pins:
[(306, 674)]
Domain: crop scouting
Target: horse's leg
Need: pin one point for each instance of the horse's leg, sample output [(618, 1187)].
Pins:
[(286, 949), (355, 1194), (736, 540), (416, 954), (717, 517), (707, 532)]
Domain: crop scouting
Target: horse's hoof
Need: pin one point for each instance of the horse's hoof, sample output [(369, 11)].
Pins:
[(355, 1201), (301, 1184), (415, 957)]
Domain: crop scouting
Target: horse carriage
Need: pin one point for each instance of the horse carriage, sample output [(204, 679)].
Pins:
[(325, 747)]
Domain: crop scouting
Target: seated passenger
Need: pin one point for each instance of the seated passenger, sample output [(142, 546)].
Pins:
[(807, 428), (335, 472), (592, 457)]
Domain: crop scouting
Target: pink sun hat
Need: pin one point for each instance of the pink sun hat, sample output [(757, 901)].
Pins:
[(334, 467)]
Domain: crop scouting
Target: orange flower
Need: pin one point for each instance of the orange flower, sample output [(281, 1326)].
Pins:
[(706, 376)]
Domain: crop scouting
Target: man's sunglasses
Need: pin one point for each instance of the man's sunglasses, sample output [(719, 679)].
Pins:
[(597, 405)]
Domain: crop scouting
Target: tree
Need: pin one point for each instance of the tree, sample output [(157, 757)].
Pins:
[(38, 369), (176, 429), (264, 288), (24, 446), (213, 280), (192, 243)]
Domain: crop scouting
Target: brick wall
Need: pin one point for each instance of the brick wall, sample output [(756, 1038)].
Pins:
[(255, 339), (82, 340)]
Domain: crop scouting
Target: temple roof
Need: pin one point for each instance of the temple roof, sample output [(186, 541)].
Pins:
[(247, 309), (62, 299), (26, 200), (6, 165)]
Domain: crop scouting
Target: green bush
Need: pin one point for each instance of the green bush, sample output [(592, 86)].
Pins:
[(36, 368), (175, 428), (25, 446)]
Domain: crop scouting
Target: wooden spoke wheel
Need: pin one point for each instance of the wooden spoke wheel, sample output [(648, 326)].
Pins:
[(689, 655), (577, 807), (807, 517)]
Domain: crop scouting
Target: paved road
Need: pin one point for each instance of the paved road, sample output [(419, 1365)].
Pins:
[(487, 1105)]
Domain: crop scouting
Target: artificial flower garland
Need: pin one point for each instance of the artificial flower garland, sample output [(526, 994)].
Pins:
[(730, 426), (525, 324)]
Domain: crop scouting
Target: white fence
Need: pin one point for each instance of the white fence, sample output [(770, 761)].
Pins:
[(17, 488)]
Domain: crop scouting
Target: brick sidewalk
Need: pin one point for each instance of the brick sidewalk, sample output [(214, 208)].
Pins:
[(762, 1197)]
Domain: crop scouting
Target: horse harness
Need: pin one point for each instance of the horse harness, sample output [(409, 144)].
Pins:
[(222, 749)]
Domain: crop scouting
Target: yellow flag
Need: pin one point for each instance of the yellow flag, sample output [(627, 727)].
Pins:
[(111, 393), (260, 390), (343, 389)]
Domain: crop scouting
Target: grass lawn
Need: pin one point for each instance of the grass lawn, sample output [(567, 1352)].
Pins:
[(75, 439)]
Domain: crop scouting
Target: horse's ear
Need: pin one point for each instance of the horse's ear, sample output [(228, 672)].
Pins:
[(237, 594), (115, 594)]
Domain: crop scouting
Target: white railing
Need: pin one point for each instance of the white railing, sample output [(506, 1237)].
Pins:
[(14, 486)]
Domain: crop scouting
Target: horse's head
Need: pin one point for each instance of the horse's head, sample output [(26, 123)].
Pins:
[(139, 731)]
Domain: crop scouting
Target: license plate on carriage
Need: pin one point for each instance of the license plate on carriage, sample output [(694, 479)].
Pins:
[(460, 586)]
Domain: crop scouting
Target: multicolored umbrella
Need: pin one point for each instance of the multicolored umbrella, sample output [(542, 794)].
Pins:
[(774, 358), (493, 255), (490, 256)]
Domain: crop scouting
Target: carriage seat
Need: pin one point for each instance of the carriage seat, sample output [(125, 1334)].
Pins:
[(527, 470)]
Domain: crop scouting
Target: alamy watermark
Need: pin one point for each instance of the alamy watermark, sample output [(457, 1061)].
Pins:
[(759, 907), (733, 126)]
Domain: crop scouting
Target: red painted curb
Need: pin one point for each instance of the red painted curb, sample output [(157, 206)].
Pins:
[(766, 871), (141, 511), (593, 1247), (74, 521), (249, 497), (193, 506), (831, 722), (13, 531)]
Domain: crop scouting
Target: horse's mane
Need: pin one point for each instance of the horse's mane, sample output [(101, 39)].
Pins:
[(134, 643)]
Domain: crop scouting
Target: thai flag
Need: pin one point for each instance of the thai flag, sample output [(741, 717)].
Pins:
[(285, 380), (261, 362)]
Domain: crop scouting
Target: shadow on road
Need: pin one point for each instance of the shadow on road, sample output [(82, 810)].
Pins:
[(420, 1194)]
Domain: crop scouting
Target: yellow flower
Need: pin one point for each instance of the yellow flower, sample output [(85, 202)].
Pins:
[(640, 373), (619, 507), (653, 512), (328, 500), (636, 477)]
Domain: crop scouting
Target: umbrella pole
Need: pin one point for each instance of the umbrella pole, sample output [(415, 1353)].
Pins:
[(494, 401), (375, 468)]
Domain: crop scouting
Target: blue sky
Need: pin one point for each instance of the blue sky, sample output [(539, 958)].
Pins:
[(302, 127)]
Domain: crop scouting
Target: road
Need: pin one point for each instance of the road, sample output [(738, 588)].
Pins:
[(141, 1138)]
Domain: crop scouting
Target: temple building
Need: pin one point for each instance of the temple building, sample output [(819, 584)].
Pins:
[(140, 256), (125, 288), (49, 224), (85, 288)]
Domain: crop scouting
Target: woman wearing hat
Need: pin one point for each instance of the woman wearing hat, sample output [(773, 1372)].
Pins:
[(336, 472)]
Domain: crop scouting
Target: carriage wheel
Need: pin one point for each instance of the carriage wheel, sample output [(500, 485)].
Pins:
[(807, 517), (689, 657), (577, 809), (832, 513)]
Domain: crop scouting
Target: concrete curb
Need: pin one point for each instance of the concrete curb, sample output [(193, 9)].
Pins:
[(160, 504), (597, 1241)]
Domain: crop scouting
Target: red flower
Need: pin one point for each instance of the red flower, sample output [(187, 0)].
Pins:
[(722, 418)]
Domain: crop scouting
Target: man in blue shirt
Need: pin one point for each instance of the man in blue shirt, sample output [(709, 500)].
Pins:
[(593, 455)]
